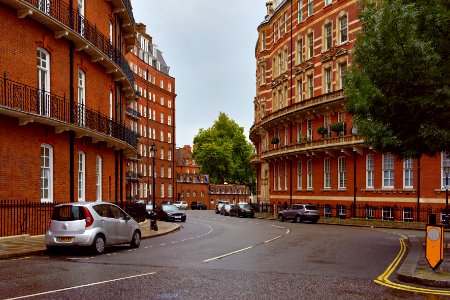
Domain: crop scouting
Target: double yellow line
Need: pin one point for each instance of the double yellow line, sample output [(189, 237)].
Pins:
[(383, 279)]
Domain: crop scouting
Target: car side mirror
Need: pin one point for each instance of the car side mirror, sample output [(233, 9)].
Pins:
[(127, 218)]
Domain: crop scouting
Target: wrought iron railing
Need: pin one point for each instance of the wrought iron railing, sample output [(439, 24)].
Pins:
[(32, 101), (133, 113), (71, 18), (129, 9)]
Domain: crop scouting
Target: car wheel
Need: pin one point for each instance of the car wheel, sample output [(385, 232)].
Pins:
[(298, 219), (98, 246), (51, 249), (136, 240), (280, 218)]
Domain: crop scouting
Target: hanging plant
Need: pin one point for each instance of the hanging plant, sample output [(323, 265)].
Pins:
[(338, 127), (275, 140), (322, 130)]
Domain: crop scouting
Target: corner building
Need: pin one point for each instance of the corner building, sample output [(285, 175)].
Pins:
[(307, 149), (151, 116), (64, 89)]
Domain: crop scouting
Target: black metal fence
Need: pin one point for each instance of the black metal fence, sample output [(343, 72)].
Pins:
[(31, 100), (19, 217), (364, 211)]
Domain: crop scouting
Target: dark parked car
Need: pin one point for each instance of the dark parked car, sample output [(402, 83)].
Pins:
[(299, 213), (242, 210), (198, 205), (169, 212)]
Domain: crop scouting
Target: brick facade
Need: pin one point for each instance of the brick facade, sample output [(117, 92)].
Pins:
[(299, 91)]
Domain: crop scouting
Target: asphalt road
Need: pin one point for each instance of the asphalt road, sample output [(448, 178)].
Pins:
[(218, 257)]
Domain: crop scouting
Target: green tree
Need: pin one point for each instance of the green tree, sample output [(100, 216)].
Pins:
[(224, 153), (398, 87)]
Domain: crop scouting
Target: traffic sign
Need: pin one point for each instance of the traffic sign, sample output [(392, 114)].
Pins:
[(434, 245)]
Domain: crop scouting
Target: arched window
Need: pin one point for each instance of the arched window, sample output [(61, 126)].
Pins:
[(46, 173), (43, 72), (81, 98)]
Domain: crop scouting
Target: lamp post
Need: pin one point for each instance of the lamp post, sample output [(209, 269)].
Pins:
[(153, 224), (446, 217)]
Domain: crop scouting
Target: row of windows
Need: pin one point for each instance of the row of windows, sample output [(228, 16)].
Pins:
[(387, 173), (151, 113), (151, 132), (142, 189), (143, 152), (194, 194), (152, 96), (280, 28), (47, 175), (141, 168)]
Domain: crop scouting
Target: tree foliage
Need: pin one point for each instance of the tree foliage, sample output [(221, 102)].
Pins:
[(398, 87), (224, 153)]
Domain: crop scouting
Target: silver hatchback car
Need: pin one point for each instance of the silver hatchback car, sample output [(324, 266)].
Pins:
[(91, 224)]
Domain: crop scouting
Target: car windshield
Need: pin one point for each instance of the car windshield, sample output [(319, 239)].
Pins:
[(310, 207), (68, 213), (169, 207), (246, 206)]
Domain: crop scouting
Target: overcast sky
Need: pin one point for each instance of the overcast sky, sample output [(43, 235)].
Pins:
[(210, 48)]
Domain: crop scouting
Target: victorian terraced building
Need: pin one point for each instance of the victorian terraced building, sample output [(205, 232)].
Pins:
[(307, 149), (84, 93)]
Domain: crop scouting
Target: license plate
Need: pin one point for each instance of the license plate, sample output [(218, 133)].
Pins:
[(64, 239), (177, 217)]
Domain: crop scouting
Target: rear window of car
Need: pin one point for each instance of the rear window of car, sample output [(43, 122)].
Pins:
[(68, 213), (311, 207)]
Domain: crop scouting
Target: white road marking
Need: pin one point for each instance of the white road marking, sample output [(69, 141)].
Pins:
[(81, 286), (228, 254)]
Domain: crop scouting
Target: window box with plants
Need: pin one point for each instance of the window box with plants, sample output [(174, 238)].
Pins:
[(338, 127), (275, 140), (323, 131)]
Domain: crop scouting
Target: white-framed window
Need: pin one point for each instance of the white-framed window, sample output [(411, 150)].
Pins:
[(328, 36), (274, 177), (310, 79), (81, 98), (263, 40), (80, 10), (327, 125), (110, 32), (445, 163), (169, 120), (388, 171), (370, 171), (299, 90), (342, 168), (162, 190), (343, 29), (310, 7), (169, 155), (279, 177), (309, 172), (327, 80), (387, 213), (43, 72), (342, 74), (161, 117), (169, 172), (98, 174), (326, 173), (299, 132), (169, 191), (145, 190), (169, 137), (309, 130), (299, 51), (407, 214), (161, 136), (81, 176), (162, 172), (310, 45), (300, 15), (110, 105), (299, 175), (169, 103), (408, 173), (328, 2), (46, 173), (161, 151)]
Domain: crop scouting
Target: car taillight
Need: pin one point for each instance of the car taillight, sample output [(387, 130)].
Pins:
[(89, 219)]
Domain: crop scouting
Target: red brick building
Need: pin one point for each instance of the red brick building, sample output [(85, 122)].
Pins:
[(191, 185), (152, 117), (306, 147), (65, 85)]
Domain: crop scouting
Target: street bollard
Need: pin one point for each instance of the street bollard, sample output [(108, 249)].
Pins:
[(153, 225)]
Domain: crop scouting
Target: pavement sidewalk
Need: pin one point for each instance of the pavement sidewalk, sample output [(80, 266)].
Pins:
[(414, 267), (25, 245)]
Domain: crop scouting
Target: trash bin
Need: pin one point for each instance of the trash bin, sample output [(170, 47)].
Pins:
[(153, 224), (446, 219)]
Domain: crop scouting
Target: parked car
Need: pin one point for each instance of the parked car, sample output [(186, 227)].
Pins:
[(181, 204), (198, 205), (242, 210), (91, 224), (299, 213), (169, 212), (225, 209), (219, 205)]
